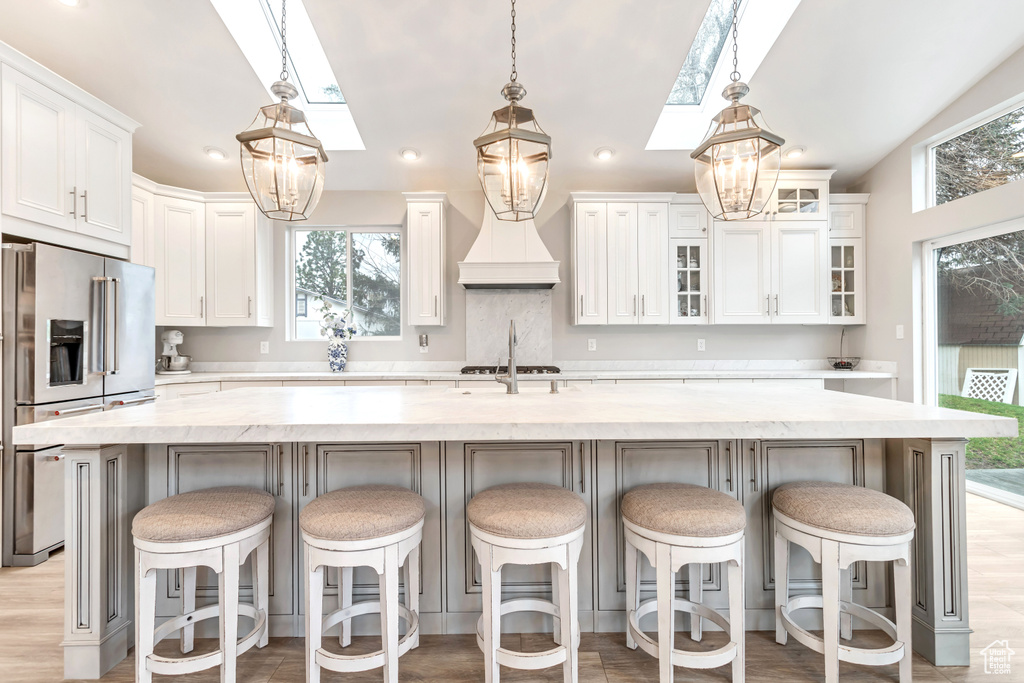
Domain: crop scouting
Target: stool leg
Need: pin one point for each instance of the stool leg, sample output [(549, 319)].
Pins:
[(695, 595), (389, 613), (846, 595), (314, 616), (568, 606), (188, 605), (556, 624), (781, 586), (830, 608), (145, 618), (737, 627), (632, 589), (492, 617), (228, 595), (412, 589), (666, 613), (345, 600), (261, 592), (902, 587)]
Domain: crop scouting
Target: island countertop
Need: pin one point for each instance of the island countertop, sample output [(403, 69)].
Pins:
[(393, 414)]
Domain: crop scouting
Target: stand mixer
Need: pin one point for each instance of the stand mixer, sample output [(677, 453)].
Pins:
[(170, 361)]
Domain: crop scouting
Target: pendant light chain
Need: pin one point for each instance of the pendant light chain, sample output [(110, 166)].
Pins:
[(284, 40), (735, 75), (514, 74)]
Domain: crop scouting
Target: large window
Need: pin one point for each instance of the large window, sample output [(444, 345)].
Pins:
[(986, 156), (355, 269)]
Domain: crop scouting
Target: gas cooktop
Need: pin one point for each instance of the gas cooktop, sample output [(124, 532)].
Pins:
[(520, 370)]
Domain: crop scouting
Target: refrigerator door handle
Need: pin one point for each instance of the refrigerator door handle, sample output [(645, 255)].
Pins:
[(116, 289), (100, 327)]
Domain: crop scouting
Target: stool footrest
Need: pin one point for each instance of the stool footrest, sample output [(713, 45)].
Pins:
[(371, 660), (528, 661), (173, 666), (693, 660), (855, 655)]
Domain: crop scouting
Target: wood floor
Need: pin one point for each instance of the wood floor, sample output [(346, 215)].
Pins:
[(31, 607)]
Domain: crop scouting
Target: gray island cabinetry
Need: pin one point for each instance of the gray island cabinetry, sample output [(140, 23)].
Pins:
[(449, 444)]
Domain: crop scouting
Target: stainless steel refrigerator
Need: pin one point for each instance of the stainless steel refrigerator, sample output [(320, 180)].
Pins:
[(78, 338)]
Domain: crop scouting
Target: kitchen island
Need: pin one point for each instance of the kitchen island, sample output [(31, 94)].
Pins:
[(450, 443)]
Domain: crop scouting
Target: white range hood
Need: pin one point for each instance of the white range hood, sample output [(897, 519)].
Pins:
[(508, 255)]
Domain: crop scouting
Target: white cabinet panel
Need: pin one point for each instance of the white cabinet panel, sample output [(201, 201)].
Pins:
[(37, 137), (180, 262), (231, 264), (652, 264), (590, 247), (143, 228), (742, 269), (425, 241), (688, 220), (798, 272), (845, 220), (104, 161), (623, 286)]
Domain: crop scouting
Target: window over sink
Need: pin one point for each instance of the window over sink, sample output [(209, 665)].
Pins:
[(356, 269)]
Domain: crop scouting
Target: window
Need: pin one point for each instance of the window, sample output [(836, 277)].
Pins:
[(356, 269), (702, 58), (983, 157)]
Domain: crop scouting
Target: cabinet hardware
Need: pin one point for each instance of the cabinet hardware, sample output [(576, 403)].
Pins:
[(435, 305), (753, 463), (767, 305), (728, 463), (250, 306), (74, 202), (634, 304), (280, 470), (704, 229), (200, 307), (643, 305), (581, 305), (705, 304), (583, 483), (776, 304), (305, 470), (85, 205)]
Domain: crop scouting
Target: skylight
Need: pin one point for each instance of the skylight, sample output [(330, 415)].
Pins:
[(701, 60), (254, 24)]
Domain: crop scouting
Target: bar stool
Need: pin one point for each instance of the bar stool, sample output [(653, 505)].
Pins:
[(529, 524), (839, 525), (375, 526), (216, 528), (676, 525)]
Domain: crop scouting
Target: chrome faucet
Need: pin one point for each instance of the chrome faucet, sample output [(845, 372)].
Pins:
[(509, 379)]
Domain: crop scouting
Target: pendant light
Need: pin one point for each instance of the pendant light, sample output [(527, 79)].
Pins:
[(737, 164), (282, 162), (512, 153)]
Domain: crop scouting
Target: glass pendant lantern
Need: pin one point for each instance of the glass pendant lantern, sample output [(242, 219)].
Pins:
[(738, 163), (513, 153), (282, 161)]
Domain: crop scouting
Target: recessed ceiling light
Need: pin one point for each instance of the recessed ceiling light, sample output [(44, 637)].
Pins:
[(69, 3), (795, 152), (604, 153), (410, 154), (215, 152)]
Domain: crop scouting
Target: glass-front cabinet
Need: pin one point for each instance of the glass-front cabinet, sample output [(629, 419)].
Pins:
[(690, 283), (846, 281), (796, 198)]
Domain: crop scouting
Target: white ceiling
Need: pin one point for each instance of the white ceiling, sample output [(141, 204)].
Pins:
[(848, 79)]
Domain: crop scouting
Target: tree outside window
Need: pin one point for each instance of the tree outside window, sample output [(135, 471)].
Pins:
[(982, 158)]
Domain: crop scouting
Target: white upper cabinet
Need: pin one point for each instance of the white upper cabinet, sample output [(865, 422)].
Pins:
[(180, 245), (143, 230), (846, 295), (742, 272), (688, 220), (65, 170), (623, 286), (688, 262), (799, 265), (238, 284), (846, 215), (800, 196), (425, 245), (590, 263), (652, 263)]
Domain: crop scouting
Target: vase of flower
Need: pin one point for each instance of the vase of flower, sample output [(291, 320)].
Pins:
[(335, 327)]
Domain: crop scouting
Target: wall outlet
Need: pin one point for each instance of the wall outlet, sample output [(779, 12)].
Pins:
[(591, 345), (264, 347), (701, 346), (899, 331)]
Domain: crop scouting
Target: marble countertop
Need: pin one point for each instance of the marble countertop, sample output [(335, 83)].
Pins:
[(392, 414)]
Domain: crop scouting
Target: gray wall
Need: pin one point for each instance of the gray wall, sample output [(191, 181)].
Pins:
[(895, 233), (790, 342)]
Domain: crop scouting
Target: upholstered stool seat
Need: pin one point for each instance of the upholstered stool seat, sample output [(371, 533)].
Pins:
[(374, 526), (675, 525), (528, 524), (838, 525), (217, 528)]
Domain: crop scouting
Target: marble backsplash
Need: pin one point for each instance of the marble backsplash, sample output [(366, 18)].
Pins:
[(488, 312)]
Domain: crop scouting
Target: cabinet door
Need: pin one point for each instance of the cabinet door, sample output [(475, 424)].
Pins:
[(623, 284), (103, 177), (845, 220), (323, 468), (742, 272), (269, 467), (846, 282), (622, 466), (143, 228), (180, 262), (652, 264), (688, 220), (800, 200), (37, 137), (425, 238), (472, 467), (590, 242), (231, 264), (688, 268), (799, 258)]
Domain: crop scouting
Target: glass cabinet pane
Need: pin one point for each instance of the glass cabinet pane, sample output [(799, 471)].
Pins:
[(694, 280), (837, 256)]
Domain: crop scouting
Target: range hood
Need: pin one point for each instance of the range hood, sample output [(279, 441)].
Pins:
[(508, 255)]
